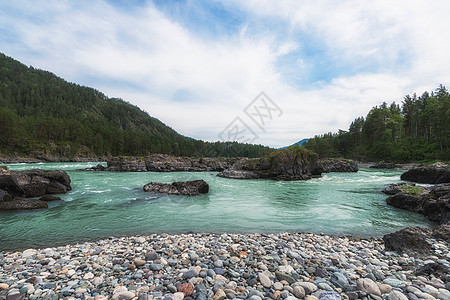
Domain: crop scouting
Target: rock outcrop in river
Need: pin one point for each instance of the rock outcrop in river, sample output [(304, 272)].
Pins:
[(293, 163), (435, 173), (17, 186), (188, 188), (288, 164), (431, 201), (167, 163), (284, 164)]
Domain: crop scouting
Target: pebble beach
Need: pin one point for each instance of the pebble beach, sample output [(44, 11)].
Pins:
[(228, 266)]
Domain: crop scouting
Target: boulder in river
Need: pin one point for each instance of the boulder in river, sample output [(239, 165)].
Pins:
[(433, 174), (293, 163), (431, 201), (16, 186), (188, 188)]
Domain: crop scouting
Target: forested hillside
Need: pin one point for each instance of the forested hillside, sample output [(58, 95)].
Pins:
[(40, 111), (416, 130)]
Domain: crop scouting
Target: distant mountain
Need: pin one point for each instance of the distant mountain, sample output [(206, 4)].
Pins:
[(41, 113), (300, 143)]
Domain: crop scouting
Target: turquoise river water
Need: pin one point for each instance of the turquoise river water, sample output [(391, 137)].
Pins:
[(103, 204)]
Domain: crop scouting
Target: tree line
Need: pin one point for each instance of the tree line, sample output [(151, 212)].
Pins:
[(40, 112), (418, 129)]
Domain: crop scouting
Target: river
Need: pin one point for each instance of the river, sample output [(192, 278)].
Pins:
[(103, 204)]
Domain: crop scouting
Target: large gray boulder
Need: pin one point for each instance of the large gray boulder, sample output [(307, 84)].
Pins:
[(435, 173), (17, 186), (36, 182), (188, 188)]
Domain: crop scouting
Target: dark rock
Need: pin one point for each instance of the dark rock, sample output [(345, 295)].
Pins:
[(4, 196), (433, 202), (189, 188), (409, 240), (385, 165), (416, 240), (18, 296), (34, 183), (432, 269), (166, 163), (22, 203), (285, 164), (338, 280), (436, 173), (327, 165), (192, 188), (98, 167), (8, 182), (395, 188), (238, 174), (48, 198)]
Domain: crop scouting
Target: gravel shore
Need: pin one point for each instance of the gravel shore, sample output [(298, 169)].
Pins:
[(228, 266)]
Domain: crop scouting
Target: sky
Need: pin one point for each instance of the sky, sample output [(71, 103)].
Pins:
[(280, 70)]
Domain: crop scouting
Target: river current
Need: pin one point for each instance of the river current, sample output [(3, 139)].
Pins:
[(103, 204)]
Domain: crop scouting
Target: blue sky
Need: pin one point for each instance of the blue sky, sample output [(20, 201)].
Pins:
[(196, 65)]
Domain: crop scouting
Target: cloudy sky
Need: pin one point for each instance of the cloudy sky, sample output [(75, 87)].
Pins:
[(196, 65)]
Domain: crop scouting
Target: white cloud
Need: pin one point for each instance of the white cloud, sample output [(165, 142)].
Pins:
[(197, 84)]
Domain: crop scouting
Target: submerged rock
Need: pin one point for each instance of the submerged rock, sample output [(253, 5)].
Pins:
[(435, 173), (189, 188), (18, 203)]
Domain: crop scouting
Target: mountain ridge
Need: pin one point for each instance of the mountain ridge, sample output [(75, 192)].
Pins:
[(43, 114)]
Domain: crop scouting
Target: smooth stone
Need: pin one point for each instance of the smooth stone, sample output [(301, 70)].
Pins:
[(443, 294), (338, 280), (156, 267), (139, 262), (369, 286), (299, 291), (385, 288), (265, 281), (283, 276), (219, 295), (394, 282), (308, 287), (278, 286), (189, 274), (396, 295), (324, 286), (329, 296)]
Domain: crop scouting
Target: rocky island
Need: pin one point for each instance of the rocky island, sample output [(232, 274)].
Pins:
[(19, 189), (293, 163)]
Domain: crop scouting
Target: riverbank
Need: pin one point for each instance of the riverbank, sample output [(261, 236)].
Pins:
[(201, 266)]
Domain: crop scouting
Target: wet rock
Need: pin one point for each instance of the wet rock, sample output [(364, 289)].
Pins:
[(189, 188), (436, 173)]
